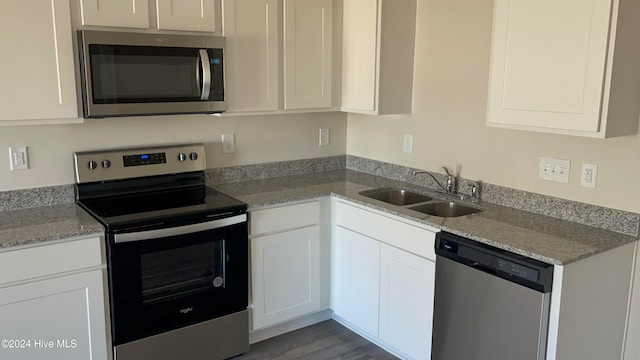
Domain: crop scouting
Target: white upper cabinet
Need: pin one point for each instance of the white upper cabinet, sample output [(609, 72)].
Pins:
[(279, 54), (121, 13), (307, 53), (187, 15), (577, 75), (37, 68), (251, 29), (377, 56), (193, 15)]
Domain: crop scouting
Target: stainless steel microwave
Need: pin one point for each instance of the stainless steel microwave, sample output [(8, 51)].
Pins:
[(130, 74)]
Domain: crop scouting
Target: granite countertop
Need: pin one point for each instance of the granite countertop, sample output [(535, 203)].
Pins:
[(540, 237), (33, 226)]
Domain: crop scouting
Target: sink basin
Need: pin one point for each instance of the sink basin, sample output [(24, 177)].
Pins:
[(445, 209), (394, 196)]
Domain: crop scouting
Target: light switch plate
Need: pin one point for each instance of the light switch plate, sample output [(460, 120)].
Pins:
[(554, 170)]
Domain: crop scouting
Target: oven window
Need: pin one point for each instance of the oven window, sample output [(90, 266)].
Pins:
[(182, 271)]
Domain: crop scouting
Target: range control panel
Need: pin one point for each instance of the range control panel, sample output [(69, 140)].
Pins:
[(115, 164), (144, 159)]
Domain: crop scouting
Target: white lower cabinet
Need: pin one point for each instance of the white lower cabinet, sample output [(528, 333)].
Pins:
[(286, 276), (383, 278), (356, 280), (52, 302), (289, 263), (406, 301), (56, 319)]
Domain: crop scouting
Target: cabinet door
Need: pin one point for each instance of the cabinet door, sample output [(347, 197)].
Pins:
[(37, 68), (549, 76), (307, 53), (406, 302), (356, 279), (359, 44), (194, 15), (121, 13), (56, 319), (251, 29), (285, 275)]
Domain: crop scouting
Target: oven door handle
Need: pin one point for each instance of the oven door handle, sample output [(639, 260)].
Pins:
[(179, 230)]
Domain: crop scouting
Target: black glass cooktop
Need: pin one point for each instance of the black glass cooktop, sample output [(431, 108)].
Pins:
[(165, 205)]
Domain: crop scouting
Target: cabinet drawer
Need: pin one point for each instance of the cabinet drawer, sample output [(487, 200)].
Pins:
[(23, 264), (394, 232), (284, 218)]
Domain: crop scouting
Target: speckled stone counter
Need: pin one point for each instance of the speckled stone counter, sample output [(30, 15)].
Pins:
[(44, 224), (540, 237)]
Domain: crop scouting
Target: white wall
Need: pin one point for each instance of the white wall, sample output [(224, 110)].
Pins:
[(448, 125), (258, 139), (448, 121)]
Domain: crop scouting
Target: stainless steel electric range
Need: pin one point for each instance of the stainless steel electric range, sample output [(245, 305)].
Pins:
[(177, 253)]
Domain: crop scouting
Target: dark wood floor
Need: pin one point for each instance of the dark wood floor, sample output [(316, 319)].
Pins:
[(322, 341)]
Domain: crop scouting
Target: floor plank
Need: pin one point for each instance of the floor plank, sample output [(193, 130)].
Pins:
[(325, 340)]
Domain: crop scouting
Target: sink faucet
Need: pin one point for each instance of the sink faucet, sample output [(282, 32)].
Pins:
[(451, 182), (450, 188)]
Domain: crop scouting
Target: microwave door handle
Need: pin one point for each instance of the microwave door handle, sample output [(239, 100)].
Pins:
[(206, 74)]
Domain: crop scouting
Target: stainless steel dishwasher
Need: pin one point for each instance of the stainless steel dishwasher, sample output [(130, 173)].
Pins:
[(490, 304)]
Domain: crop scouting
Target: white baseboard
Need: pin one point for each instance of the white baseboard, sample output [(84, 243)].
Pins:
[(279, 329), (372, 339)]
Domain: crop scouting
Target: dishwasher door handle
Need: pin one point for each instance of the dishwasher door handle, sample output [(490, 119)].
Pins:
[(483, 268)]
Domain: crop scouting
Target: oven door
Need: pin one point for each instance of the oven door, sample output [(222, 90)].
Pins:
[(164, 279)]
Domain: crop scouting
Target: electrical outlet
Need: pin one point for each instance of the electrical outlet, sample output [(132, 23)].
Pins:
[(228, 143), (19, 158), (588, 175), (407, 144), (324, 137), (554, 170)]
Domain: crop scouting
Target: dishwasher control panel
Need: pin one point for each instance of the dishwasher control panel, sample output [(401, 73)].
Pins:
[(502, 263), (516, 269)]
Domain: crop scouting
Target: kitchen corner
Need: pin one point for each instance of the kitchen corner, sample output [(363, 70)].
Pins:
[(542, 237), (307, 116)]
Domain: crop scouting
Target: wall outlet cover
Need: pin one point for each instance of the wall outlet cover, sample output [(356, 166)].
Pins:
[(228, 143), (588, 175), (324, 137), (407, 144), (19, 158)]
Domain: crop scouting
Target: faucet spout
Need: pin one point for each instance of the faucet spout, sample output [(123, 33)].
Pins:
[(449, 189)]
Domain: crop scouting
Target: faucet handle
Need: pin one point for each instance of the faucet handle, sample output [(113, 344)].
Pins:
[(475, 190), (446, 170)]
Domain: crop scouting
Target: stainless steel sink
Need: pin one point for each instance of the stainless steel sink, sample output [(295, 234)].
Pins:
[(395, 196), (445, 209)]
